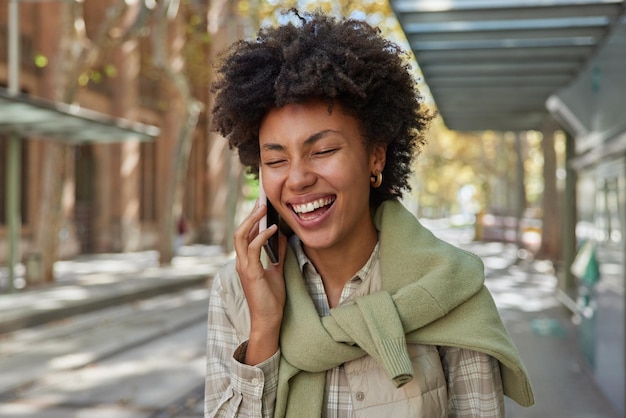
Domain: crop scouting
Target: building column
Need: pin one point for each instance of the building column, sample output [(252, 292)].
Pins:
[(567, 281)]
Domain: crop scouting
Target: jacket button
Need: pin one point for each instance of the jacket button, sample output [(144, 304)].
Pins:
[(360, 396)]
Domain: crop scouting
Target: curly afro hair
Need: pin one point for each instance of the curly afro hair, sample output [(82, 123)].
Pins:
[(332, 59)]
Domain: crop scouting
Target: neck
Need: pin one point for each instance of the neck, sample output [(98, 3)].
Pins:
[(339, 264)]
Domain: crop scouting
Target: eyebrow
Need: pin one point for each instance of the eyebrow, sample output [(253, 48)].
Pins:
[(308, 142)]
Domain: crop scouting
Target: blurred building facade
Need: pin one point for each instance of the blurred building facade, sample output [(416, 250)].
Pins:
[(592, 109), (515, 66), (114, 197)]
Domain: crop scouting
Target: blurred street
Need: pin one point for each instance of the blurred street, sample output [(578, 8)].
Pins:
[(541, 327), (127, 339), (92, 350)]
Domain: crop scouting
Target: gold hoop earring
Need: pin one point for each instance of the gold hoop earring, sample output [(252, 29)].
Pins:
[(376, 180)]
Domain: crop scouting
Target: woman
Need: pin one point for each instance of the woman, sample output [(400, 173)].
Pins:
[(367, 313)]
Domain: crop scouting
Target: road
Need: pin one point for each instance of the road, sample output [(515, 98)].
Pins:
[(144, 359)]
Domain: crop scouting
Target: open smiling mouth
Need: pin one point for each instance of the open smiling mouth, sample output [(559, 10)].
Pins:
[(314, 209)]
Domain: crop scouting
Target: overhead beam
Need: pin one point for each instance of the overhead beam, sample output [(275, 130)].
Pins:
[(592, 32), (442, 6), (570, 53), (31, 117), (553, 81), (609, 10), (498, 67), (506, 25)]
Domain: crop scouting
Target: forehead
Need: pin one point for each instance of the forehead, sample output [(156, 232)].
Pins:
[(301, 119)]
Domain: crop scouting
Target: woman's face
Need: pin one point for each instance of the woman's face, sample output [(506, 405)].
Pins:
[(316, 172)]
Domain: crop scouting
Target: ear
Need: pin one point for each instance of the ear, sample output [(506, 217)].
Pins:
[(378, 157)]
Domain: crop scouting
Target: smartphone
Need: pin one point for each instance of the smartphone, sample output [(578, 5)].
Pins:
[(271, 218)]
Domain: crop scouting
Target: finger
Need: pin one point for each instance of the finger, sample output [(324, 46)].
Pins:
[(253, 231), (245, 231), (251, 256), (262, 238)]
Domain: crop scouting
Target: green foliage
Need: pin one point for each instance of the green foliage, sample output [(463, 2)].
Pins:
[(40, 60), (110, 70), (375, 12), (483, 160), (196, 49), (251, 187)]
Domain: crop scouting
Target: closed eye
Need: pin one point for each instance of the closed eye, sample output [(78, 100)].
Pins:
[(273, 163), (326, 151)]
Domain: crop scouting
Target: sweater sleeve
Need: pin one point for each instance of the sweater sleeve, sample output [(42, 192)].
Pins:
[(234, 389)]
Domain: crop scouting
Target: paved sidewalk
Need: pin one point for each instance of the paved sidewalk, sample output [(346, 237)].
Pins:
[(542, 329), (524, 292), (94, 282), (545, 335)]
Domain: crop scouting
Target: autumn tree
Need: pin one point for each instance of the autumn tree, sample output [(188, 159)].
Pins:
[(167, 43), (552, 227), (169, 24), (79, 54)]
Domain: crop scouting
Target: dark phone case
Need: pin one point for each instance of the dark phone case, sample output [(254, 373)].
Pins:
[(271, 246)]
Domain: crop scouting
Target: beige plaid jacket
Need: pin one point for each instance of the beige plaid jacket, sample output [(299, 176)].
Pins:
[(471, 382)]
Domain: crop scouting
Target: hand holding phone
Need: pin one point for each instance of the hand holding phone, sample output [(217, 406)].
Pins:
[(270, 218)]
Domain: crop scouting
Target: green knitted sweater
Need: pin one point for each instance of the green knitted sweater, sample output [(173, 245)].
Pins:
[(433, 293)]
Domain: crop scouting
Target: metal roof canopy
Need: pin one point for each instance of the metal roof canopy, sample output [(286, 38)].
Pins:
[(492, 64), (26, 116)]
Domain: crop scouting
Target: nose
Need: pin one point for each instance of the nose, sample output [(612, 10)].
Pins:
[(300, 176)]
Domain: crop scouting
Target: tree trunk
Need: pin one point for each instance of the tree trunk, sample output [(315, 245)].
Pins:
[(79, 53), (551, 223), (224, 170), (50, 213), (176, 183), (173, 198), (520, 188)]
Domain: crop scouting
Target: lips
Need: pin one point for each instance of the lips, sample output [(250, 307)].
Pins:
[(313, 209)]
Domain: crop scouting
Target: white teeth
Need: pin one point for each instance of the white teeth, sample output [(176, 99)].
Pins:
[(311, 206)]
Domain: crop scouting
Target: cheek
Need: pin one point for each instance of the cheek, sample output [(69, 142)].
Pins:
[(272, 185), (348, 176), (274, 194)]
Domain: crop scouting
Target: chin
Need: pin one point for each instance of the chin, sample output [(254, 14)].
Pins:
[(315, 243)]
